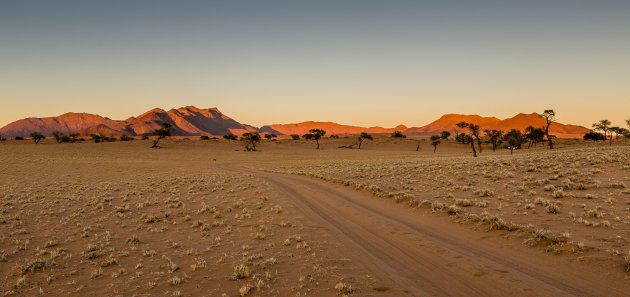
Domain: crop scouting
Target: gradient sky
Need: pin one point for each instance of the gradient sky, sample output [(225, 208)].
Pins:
[(356, 62)]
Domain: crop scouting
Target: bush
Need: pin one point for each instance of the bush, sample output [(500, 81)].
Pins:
[(145, 137), (594, 136), (204, 137), (295, 136), (19, 138), (230, 136), (125, 137), (398, 134), (334, 136)]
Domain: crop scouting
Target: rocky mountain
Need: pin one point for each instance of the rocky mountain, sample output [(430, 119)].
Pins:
[(193, 121), (186, 121)]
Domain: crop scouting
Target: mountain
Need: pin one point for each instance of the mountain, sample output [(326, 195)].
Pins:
[(186, 121), (329, 127), (66, 123), (520, 122), (193, 121)]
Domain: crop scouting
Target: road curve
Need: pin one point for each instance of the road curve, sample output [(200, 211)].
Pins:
[(425, 255)]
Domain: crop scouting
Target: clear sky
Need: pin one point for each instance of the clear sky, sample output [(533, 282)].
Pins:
[(357, 62)]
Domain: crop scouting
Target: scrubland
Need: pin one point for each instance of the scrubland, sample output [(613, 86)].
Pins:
[(119, 219)]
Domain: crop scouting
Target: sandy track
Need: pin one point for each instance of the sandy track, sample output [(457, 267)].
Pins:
[(417, 254)]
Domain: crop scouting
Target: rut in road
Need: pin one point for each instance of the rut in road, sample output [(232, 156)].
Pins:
[(425, 256)]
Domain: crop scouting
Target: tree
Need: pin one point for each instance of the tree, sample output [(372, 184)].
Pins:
[(57, 135), (462, 138), (594, 136), (270, 136), (126, 137), (364, 136), (617, 130), (398, 134), (163, 132), (230, 137), (604, 126), (445, 135), (469, 138), (550, 118), (494, 137), (204, 137), (96, 138), (250, 139), (534, 135), (514, 138), (334, 136), (37, 137), (295, 136), (315, 134), (624, 132), (435, 141)]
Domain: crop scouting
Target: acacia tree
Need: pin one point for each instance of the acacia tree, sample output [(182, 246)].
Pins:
[(163, 132), (469, 138), (494, 137), (295, 136), (250, 139), (270, 136), (315, 134), (514, 139), (445, 135), (534, 135), (58, 136), (364, 136), (37, 137), (604, 126), (435, 141), (617, 131), (550, 118)]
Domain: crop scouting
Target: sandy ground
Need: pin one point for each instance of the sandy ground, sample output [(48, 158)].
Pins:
[(203, 218)]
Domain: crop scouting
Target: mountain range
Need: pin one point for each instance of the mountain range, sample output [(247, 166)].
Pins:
[(193, 121)]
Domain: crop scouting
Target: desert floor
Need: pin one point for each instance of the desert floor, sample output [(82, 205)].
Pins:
[(205, 218)]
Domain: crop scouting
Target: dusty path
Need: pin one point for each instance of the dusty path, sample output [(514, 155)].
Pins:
[(416, 254)]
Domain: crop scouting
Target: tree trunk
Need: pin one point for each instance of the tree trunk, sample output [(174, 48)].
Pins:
[(472, 145), (548, 137), (479, 143), (434, 148), (155, 143), (417, 148), (317, 140), (360, 142)]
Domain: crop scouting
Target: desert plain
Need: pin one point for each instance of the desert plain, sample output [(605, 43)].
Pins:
[(206, 218)]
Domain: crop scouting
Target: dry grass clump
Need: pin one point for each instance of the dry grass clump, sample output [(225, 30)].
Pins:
[(344, 289)]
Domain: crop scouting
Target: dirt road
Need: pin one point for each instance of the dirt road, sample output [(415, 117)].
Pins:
[(418, 254)]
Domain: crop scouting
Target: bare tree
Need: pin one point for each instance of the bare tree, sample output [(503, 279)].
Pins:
[(163, 132), (364, 136), (550, 118)]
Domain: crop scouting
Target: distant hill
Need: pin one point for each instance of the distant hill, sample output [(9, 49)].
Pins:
[(330, 127), (193, 121), (520, 122)]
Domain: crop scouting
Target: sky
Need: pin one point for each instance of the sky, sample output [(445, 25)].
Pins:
[(357, 62)]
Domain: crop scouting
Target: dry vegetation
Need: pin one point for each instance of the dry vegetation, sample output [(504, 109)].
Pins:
[(571, 200), (118, 219)]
